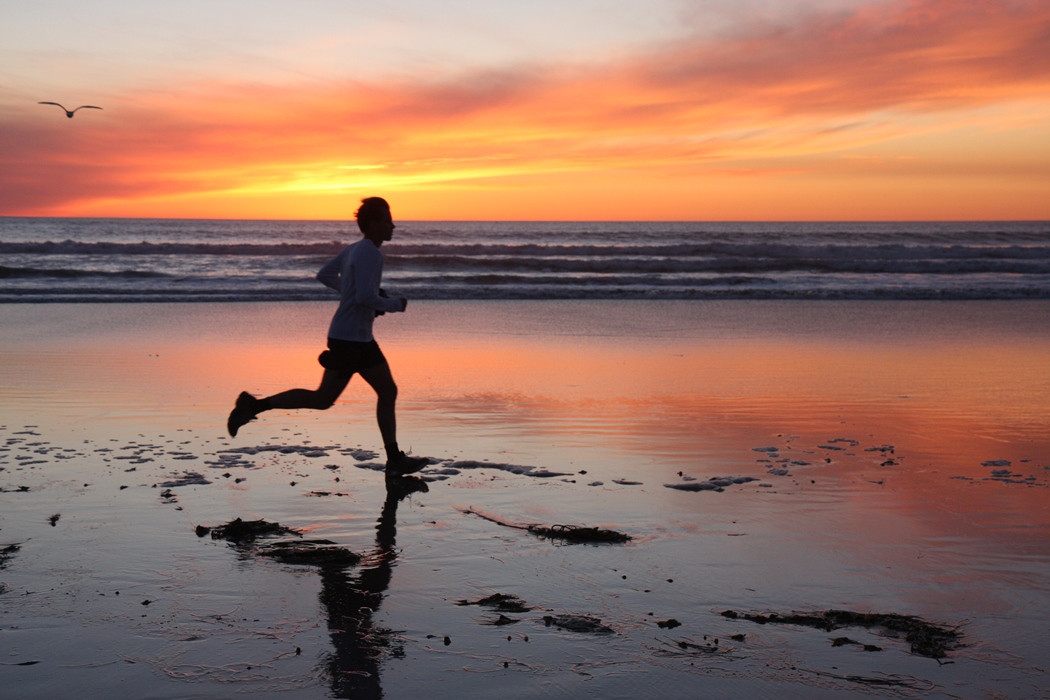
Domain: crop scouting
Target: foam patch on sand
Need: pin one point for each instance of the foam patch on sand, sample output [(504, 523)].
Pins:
[(185, 479), (237, 456), (537, 472), (442, 470), (305, 450), (716, 483), (839, 447), (358, 454)]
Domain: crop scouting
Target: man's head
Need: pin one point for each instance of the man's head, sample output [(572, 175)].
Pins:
[(374, 220)]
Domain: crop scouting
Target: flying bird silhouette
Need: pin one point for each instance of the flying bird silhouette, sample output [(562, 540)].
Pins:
[(68, 112)]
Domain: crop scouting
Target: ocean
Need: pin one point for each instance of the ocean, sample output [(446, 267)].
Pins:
[(184, 260)]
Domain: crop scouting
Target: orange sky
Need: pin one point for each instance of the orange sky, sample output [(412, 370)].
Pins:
[(919, 109)]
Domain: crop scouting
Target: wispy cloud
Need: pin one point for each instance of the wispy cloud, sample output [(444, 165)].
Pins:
[(823, 82)]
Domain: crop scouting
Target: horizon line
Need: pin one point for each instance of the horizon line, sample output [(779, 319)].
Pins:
[(549, 221)]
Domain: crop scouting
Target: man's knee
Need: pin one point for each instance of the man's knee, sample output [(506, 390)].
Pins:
[(387, 391)]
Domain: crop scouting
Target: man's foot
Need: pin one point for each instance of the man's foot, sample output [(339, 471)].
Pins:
[(243, 411), (401, 464)]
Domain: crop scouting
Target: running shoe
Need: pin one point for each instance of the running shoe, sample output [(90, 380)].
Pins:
[(243, 411), (402, 464)]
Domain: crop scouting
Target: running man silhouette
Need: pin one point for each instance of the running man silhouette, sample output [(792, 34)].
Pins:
[(355, 273)]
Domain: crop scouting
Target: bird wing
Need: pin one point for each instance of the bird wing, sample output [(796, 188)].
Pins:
[(50, 103), (87, 107)]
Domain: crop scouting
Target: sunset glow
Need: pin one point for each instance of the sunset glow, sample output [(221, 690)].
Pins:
[(920, 109)]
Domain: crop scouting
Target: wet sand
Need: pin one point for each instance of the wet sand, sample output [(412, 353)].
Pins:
[(763, 457)]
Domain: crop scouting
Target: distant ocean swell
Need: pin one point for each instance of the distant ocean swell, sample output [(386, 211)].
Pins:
[(145, 248), (127, 260), (63, 273), (439, 252)]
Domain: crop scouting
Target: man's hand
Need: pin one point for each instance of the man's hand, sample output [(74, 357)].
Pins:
[(382, 293)]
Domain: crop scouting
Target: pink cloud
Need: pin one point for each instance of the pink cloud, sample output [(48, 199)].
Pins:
[(818, 78)]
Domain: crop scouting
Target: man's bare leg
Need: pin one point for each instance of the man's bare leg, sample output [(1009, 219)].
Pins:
[(382, 381), (320, 399), (332, 384)]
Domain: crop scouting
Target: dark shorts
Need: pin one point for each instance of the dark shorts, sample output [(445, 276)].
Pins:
[(351, 357)]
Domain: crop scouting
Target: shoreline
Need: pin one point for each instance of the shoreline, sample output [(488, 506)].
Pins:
[(902, 414)]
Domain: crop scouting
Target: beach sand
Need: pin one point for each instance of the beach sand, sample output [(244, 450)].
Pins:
[(875, 457)]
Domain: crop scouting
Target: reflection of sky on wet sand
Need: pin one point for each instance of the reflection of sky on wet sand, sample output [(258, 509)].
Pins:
[(637, 391), (647, 387)]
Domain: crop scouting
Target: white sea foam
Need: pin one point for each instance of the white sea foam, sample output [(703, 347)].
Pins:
[(452, 468), (176, 260), (716, 483)]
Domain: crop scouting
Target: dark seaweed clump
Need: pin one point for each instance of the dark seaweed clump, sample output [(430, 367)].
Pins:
[(578, 623), (244, 531), (926, 639), (500, 602), (7, 553), (578, 533), (568, 533), (243, 534)]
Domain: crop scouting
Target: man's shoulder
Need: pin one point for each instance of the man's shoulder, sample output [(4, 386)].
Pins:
[(363, 248)]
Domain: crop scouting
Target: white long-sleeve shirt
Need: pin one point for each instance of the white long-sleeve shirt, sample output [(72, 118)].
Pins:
[(355, 273)]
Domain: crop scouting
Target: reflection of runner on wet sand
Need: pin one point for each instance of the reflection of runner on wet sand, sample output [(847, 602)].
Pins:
[(352, 598), (355, 273)]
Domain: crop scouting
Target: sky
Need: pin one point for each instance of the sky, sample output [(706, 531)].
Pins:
[(688, 110)]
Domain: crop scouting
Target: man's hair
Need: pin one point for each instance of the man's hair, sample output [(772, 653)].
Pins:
[(371, 208)]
